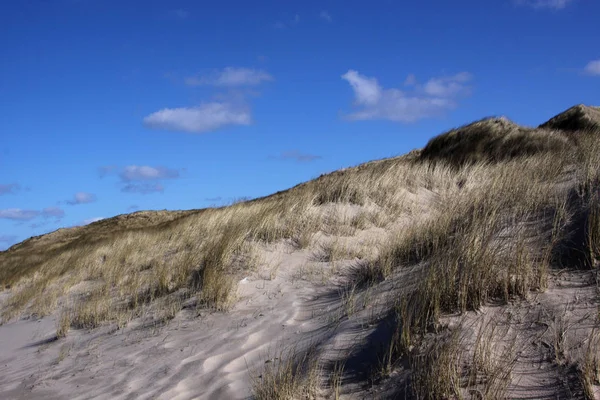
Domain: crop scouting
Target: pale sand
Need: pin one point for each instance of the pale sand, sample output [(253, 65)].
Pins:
[(209, 356)]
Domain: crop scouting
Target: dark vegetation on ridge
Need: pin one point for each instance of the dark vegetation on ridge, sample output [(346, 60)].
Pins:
[(578, 118)]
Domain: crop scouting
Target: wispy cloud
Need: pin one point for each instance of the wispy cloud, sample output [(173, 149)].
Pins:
[(143, 188), (325, 15), (143, 179), (203, 118), (431, 99), (10, 188), (230, 77), (55, 212), (593, 68), (229, 107), (138, 179), (447, 86), (18, 214), (82, 198), (297, 156), (545, 4), (144, 172)]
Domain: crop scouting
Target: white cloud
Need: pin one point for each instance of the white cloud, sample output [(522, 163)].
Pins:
[(447, 86), (229, 108), (548, 4), (204, 118), (325, 15), (366, 90), (432, 99), (18, 214), (82, 198), (231, 76), (593, 68)]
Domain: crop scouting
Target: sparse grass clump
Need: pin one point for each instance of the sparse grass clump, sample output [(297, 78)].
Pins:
[(63, 324), (451, 366), (494, 355), (291, 374), (589, 368), (438, 369)]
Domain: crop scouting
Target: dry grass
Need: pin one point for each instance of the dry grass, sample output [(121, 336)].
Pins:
[(493, 358), (438, 369), (493, 140), (482, 243), (204, 252), (576, 119), (589, 367), (201, 252), (453, 367), (590, 190), (491, 239), (336, 380), (593, 230), (290, 374), (63, 324), (477, 213)]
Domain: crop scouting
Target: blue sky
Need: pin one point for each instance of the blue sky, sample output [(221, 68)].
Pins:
[(114, 106)]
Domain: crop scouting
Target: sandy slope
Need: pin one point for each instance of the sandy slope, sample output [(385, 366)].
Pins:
[(208, 356), (291, 301)]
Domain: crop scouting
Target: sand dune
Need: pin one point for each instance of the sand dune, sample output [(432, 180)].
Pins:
[(466, 269)]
